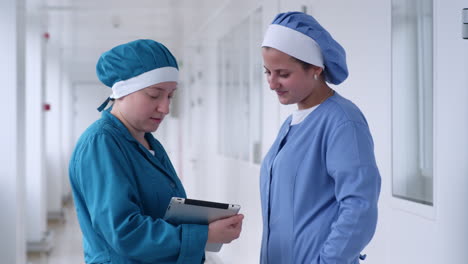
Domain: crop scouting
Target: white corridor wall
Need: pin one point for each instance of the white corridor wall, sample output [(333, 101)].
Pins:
[(12, 174), (36, 189)]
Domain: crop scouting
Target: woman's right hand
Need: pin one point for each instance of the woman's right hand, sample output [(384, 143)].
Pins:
[(225, 230)]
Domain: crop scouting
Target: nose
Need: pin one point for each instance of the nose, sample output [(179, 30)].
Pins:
[(163, 107), (273, 82)]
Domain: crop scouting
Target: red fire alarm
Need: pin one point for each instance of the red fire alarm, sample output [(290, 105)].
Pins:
[(47, 35), (46, 107)]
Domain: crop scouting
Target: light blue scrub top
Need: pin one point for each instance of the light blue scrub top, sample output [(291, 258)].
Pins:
[(319, 188), (121, 192)]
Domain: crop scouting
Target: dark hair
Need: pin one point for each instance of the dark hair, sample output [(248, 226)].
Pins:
[(305, 66)]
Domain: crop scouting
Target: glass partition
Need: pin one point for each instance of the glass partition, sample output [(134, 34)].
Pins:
[(412, 100), (240, 85)]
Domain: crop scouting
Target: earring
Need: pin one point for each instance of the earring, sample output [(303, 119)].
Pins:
[(315, 77)]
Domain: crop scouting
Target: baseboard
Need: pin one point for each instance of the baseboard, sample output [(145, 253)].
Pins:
[(58, 216), (45, 245), (67, 199)]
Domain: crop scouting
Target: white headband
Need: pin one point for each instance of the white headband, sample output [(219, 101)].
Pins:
[(159, 75), (293, 43)]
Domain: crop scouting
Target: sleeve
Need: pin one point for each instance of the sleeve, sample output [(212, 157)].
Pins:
[(351, 163), (114, 207)]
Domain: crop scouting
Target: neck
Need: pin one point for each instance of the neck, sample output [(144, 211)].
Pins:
[(139, 136), (316, 98)]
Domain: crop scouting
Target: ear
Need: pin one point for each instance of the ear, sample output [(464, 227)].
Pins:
[(318, 71)]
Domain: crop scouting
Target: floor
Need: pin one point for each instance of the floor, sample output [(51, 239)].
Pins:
[(67, 247)]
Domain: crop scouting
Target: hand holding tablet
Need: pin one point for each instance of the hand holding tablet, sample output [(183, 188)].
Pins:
[(225, 230), (223, 227)]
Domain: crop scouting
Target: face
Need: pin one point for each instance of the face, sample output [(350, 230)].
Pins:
[(142, 111), (288, 79)]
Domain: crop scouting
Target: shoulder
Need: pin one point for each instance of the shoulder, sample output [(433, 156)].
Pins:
[(343, 110), (102, 135), (100, 128), (347, 123)]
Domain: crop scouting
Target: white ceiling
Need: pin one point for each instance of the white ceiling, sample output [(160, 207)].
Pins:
[(89, 27)]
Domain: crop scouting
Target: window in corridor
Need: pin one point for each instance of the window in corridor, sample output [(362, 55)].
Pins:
[(240, 86), (412, 100)]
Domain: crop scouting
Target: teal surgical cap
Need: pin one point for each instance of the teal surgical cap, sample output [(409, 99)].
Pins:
[(301, 36), (133, 66)]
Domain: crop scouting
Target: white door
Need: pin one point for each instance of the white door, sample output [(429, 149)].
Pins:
[(87, 97)]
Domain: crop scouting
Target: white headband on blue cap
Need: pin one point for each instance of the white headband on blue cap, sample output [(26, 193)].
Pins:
[(302, 37), (293, 43), (159, 75)]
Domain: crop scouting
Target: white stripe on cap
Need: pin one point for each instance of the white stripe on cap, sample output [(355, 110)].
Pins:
[(293, 43), (159, 75)]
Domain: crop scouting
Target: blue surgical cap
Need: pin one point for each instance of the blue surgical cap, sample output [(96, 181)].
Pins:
[(136, 65), (301, 36)]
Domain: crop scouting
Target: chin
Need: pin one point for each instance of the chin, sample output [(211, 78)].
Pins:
[(151, 129), (286, 102)]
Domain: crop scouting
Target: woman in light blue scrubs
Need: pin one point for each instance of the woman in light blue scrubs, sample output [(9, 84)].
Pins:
[(121, 177), (319, 181)]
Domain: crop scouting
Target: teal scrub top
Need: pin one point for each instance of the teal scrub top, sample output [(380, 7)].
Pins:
[(121, 192)]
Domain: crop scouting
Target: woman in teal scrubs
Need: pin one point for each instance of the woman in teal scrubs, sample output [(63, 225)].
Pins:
[(121, 177), (319, 181)]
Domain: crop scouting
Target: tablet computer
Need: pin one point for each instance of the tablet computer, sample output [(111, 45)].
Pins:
[(190, 211)]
